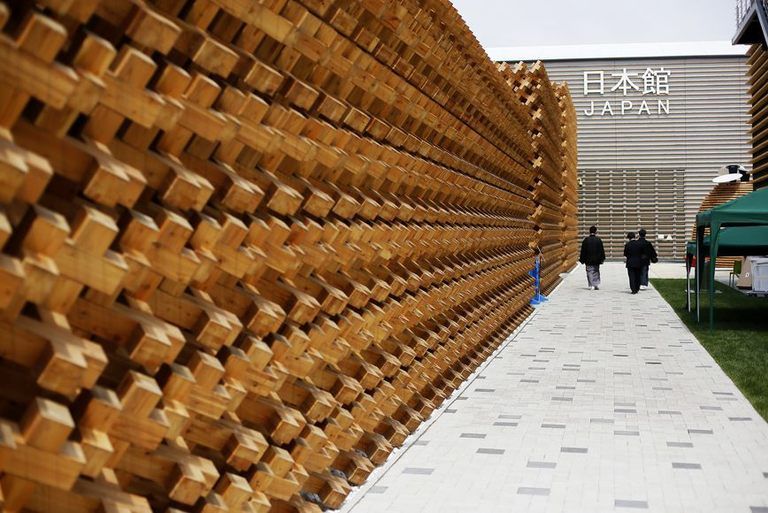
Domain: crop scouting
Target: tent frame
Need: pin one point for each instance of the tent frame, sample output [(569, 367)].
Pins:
[(716, 219)]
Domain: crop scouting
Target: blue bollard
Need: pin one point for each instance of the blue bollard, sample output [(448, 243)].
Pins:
[(538, 297)]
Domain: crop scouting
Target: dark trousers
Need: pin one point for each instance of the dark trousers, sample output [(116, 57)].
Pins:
[(634, 278), (644, 275)]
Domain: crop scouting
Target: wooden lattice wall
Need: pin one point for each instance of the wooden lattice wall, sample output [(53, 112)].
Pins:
[(569, 196), (553, 184), (758, 92), (248, 247)]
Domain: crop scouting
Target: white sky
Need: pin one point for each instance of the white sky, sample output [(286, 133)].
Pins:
[(562, 22)]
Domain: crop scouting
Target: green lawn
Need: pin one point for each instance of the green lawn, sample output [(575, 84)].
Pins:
[(739, 342)]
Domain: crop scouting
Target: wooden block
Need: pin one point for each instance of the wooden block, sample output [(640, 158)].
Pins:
[(12, 279), (95, 55), (151, 29), (245, 448), (13, 171), (46, 231), (263, 78), (43, 37)]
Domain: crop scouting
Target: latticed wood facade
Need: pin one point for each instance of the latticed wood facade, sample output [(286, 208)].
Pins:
[(248, 247), (758, 90)]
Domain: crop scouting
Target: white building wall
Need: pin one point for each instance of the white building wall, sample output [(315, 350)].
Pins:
[(653, 170)]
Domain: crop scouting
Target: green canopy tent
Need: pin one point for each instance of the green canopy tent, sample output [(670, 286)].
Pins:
[(737, 228), (733, 241)]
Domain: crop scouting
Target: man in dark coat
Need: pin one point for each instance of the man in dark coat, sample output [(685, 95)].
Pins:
[(634, 251), (592, 256), (650, 258)]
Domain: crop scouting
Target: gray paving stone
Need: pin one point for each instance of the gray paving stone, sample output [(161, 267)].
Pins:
[(690, 466), (625, 503), (541, 464), (490, 451), (680, 444), (418, 471), (472, 435), (577, 450), (529, 490)]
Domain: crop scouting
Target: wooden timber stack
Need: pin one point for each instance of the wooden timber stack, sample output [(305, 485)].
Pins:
[(246, 248), (757, 61), (723, 193), (539, 94), (569, 195)]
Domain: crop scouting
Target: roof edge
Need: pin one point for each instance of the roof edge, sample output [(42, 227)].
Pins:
[(617, 51)]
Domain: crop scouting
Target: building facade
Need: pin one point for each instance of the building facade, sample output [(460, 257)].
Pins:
[(656, 123)]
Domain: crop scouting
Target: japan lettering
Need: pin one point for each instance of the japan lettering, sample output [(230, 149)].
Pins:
[(651, 82)]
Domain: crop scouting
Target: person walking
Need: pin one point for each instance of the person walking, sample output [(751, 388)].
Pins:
[(649, 257), (592, 256), (633, 251)]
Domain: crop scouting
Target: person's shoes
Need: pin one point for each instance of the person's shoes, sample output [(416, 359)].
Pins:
[(643, 287), (633, 292), (597, 288), (591, 287)]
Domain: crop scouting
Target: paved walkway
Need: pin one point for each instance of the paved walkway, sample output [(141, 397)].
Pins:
[(618, 410)]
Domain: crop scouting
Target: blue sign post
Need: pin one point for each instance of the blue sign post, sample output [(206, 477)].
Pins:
[(538, 297)]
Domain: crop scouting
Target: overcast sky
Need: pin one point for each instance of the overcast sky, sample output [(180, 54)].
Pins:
[(562, 22)]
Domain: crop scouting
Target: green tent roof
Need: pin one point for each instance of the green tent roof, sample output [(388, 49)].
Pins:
[(737, 241), (749, 209)]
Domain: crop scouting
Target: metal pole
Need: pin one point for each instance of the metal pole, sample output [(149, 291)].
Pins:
[(698, 264), (687, 283)]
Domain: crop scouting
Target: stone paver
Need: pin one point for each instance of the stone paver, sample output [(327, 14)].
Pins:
[(604, 401)]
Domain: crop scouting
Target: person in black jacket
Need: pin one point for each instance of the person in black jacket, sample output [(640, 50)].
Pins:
[(592, 256), (634, 251), (650, 258)]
